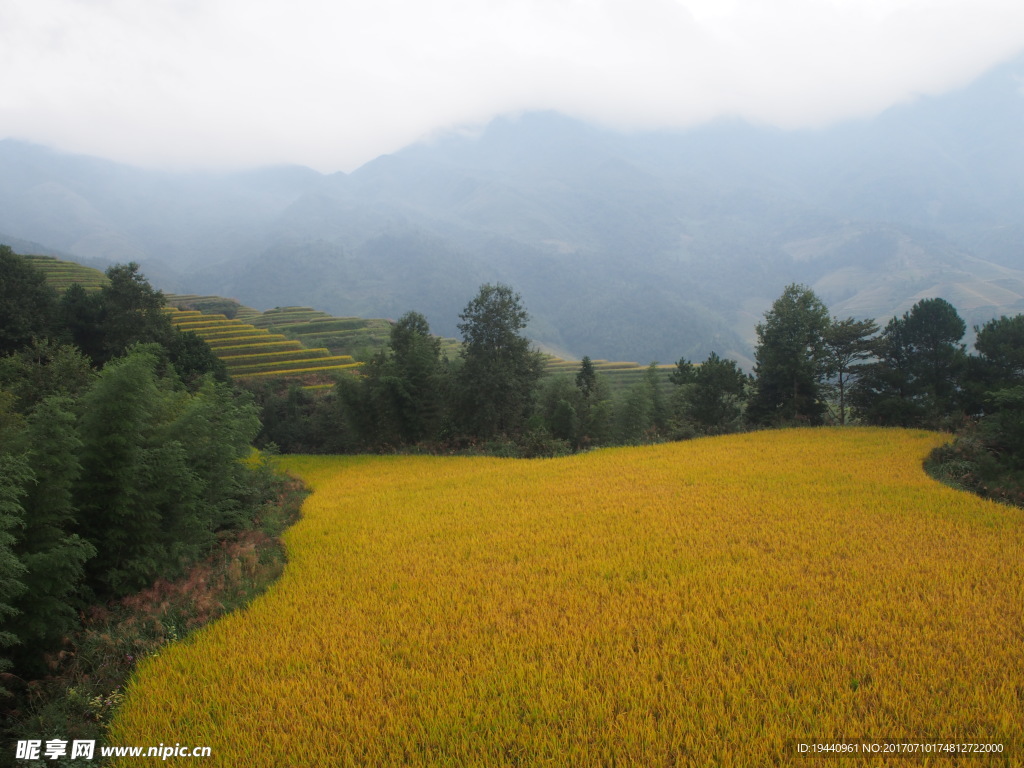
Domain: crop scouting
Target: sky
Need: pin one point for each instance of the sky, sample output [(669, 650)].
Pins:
[(331, 84)]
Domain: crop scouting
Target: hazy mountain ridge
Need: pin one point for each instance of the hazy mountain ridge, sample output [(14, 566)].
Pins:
[(641, 246)]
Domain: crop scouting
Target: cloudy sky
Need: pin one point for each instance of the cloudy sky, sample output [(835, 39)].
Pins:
[(334, 83)]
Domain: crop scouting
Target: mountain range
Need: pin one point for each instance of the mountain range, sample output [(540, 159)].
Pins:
[(641, 246)]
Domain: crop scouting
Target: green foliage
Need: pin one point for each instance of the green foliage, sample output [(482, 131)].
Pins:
[(216, 426), (639, 413), (1001, 345), (81, 316), (684, 373), (124, 465), (586, 378), (791, 359), (53, 556), (848, 343), (712, 396), (132, 312), (405, 387), (44, 369), (297, 420), (161, 472), (193, 357), (559, 404), (28, 306), (916, 379), (15, 474), (934, 330), (499, 369)]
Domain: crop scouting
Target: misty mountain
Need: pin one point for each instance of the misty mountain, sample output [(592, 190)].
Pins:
[(643, 246)]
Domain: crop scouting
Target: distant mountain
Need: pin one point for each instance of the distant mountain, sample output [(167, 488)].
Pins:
[(646, 246)]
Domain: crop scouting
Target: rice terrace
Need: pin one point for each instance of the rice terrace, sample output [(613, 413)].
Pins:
[(696, 603)]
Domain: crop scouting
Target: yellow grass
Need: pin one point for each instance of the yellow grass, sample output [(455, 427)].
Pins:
[(688, 604)]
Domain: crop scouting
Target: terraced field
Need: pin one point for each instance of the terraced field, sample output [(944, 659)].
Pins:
[(62, 274), (355, 336), (691, 604), (347, 335), (619, 376), (250, 352)]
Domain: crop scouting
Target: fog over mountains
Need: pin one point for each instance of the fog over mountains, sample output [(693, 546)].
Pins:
[(643, 247)]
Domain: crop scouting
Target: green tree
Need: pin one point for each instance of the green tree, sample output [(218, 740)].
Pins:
[(790, 360), (916, 379), (216, 427), (14, 476), (560, 402), (634, 414), (405, 386), (594, 408), (54, 558), (28, 306), (934, 331), (885, 392), (717, 396), (80, 314), (499, 373), (193, 358), (132, 312), (1000, 343), (586, 378), (137, 493), (43, 369), (653, 379), (684, 373), (848, 343)]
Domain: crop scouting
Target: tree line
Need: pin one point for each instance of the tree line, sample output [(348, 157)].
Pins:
[(810, 369)]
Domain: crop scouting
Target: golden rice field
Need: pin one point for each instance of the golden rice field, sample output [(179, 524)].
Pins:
[(697, 603)]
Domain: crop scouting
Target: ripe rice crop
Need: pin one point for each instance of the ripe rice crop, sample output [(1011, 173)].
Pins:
[(300, 354), (256, 347), (310, 362), (299, 371), (696, 603)]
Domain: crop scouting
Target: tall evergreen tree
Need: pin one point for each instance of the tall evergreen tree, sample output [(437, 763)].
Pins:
[(586, 378), (499, 370), (594, 410), (717, 396), (132, 312), (406, 385), (1001, 345), (885, 392), (916, 380), (848, 343), (790, 357)]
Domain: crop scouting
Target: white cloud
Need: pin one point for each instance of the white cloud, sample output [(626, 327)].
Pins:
[(332, 84)]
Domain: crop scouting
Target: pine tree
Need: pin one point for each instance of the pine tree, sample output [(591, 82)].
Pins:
[(790, 357), (499, 372)]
